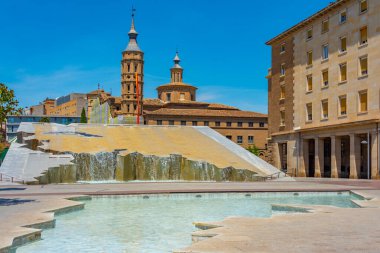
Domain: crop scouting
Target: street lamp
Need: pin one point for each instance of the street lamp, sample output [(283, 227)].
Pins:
[(366, 142)]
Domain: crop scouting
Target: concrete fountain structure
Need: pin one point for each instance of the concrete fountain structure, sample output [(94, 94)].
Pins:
[(53, 153)]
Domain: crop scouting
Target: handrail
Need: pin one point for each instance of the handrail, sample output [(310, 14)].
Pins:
[(11, 177)]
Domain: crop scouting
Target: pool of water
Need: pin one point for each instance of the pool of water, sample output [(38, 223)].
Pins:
[(160, 223)]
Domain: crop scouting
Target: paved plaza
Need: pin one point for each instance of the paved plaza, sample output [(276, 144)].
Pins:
[(30, 209)]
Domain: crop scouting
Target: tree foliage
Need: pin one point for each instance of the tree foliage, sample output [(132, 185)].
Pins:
[(254, 150), (8, 104), (83, 118), (45, 120)]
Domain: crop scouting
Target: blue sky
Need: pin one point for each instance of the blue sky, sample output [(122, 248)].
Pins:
[(50, 48)]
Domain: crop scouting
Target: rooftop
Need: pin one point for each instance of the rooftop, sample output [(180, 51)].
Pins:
[(206, 113), (307, 21)]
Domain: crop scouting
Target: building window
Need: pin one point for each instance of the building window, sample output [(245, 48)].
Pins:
[(325, 78), (310, 58), (217, 123), (261, 124), (342, 105), (309, 34), (282, 70), (182, 96), (343, 17), (206, 123), (363, 6), (250, 124), (363, 100), (343, 44), (363, 35), (363, 62), (325, 109), (250, 139), (168, 97), (282, 48), (229, 124), (159, 122), (309, 112), (282, 92), (282, 118), (343, 72), (309, 85), (183, 123), (240, 124), (229, 137), (325, 52), (195, 123), (240, 139), (171, 122), (325, 26)]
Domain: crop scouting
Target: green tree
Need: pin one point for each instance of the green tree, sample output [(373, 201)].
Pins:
[(45, 120), (254, 150), (83, 118), (8, 104)]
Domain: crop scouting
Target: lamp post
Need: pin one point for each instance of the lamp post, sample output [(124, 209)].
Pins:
[(367, 142)]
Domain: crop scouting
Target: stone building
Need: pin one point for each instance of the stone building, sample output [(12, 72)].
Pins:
[(324, 91), (176, 103)]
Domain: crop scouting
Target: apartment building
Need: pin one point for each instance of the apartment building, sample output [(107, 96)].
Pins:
[(324, 92)]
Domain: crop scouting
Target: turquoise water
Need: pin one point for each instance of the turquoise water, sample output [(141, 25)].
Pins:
[(160, 223)]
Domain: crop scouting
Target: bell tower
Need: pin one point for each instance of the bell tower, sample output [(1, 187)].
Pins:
[(132, 75), (176, 71)]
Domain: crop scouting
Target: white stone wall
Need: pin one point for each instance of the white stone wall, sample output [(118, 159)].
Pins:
[(350, 29)]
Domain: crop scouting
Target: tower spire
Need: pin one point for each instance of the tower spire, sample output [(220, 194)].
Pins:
[(176, 61), (132, 45)]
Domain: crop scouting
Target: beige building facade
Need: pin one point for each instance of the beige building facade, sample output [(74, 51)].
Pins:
[(334, 88)]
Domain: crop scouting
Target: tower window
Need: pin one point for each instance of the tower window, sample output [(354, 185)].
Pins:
[(282, 48), (171, 122), (229, 124), (183, 122), (136, 65), (168, 97), (159, 122), (250, 124), (240, 124), (128, 67)]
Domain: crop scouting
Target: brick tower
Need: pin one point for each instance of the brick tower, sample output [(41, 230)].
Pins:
[(132, 67)]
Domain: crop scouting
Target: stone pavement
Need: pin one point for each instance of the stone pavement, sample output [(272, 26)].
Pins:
[(324, 230)]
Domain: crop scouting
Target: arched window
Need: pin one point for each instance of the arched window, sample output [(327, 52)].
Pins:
[(128, 67)]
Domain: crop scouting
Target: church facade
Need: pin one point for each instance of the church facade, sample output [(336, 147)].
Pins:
[(176, 103)]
